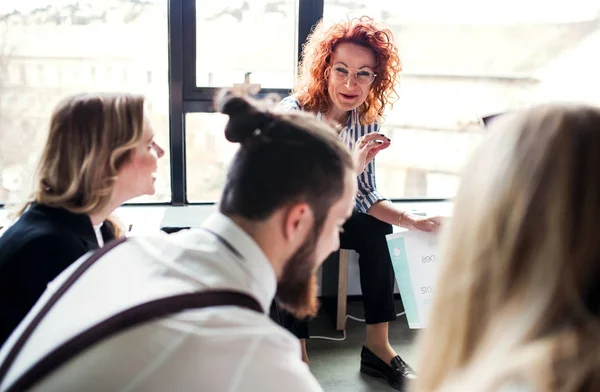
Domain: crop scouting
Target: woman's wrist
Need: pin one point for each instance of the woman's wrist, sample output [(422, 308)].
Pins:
[(403, 219), (359, 166)]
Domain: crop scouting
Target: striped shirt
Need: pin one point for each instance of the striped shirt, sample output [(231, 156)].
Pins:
[(367, 189)]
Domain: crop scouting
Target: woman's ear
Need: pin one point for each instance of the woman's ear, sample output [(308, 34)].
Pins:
[(298, 221)]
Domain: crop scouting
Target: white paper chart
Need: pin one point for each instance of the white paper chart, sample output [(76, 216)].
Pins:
[(414, 257)]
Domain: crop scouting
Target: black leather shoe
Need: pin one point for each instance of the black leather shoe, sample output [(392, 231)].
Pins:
[(397, 373)]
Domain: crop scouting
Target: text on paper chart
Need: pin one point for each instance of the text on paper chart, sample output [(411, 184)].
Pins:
[(428, 259)]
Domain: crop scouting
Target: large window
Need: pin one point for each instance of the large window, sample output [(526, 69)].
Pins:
[(466, 59), (50, 49), (461, 60)]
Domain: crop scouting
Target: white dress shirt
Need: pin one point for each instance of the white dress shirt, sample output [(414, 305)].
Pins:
[(213, 349)]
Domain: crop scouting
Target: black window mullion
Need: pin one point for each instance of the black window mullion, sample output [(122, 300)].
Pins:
[(198, 107), (190, 91), (176, 117), (309, 13)]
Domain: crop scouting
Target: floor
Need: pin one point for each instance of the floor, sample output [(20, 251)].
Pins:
[(335, 364)]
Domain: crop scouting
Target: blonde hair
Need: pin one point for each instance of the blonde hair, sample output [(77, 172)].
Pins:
[(90, 137), (518, 292)]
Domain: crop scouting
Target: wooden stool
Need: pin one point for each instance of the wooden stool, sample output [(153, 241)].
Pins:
[(342, 295), (335, 284)]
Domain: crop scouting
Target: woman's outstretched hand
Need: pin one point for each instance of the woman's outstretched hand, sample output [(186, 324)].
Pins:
[(416, 222), (367, 147)]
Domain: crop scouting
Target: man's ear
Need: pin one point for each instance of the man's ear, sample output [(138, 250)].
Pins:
[(298, 222)]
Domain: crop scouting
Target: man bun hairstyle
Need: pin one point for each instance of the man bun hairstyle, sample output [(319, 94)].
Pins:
[(246, 120), (284, 158)]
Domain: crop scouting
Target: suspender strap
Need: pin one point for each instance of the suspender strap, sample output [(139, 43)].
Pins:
[(126, 319)]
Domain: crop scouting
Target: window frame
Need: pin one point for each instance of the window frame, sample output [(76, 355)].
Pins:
[(186, 97)]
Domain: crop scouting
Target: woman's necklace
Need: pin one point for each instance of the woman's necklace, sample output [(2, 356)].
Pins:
[(338, 124)]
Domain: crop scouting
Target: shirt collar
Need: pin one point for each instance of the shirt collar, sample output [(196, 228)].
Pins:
[(257, 262), (353, 118)]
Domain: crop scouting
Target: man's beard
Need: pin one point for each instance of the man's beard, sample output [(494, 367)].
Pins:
[(297, 288)]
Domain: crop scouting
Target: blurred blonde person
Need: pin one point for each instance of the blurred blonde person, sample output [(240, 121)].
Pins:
[(100, 152), (518, 300)]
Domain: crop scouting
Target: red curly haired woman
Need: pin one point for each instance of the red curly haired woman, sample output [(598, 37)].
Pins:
[(347, 77)]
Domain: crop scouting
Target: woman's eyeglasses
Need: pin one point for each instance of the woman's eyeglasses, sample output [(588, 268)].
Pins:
[(341, 73)]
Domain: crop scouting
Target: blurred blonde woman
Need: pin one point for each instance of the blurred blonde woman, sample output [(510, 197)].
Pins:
[(518, 300), (100, 152)]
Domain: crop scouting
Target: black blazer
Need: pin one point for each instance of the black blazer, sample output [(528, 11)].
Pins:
[(33, 251)]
